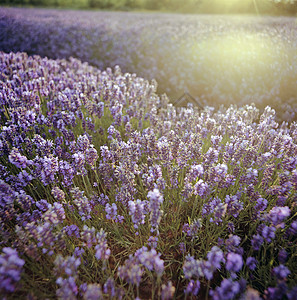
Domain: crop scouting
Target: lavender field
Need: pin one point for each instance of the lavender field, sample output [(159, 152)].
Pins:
[(217, 59), (109, 191)]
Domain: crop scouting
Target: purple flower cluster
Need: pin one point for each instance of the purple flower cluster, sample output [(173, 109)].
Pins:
[(137, 210), (111, 213), (98, 239), (132, 270), (204, 268), (155, 202), (10, 270), (94, 164)]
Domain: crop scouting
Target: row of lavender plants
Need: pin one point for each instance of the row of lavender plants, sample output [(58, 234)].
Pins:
[(107, 191), (220, 60)]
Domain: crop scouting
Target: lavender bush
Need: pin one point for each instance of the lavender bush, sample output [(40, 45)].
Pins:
[(108, 191), (219, 60)]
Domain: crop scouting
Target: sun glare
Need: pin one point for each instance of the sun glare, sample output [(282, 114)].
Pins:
[(240, 62), (238, 6)]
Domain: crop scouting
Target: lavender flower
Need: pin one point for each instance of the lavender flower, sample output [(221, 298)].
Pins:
[(66, 266), (228, 290), (277, 215), (233, 205), (111, 213), (257, 241), (137, 212), (193, 287), (234, 262), (151, 260), (281, 272), (58, 194), (251, 263), (282, 256), (215, 256), (102, 252), (201, 188), (167, 291), (216, 209), (17, 159), (193, 229), (72, 230), (10, 270), (82, 203), (93, 292), (131, 271), (109, 287), (232, 243), (67, 288), (192, 267), (260, 205), (79, 162), (268, 233), (155, 201)]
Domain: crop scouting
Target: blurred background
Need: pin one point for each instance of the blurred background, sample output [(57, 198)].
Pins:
[(271, 7)]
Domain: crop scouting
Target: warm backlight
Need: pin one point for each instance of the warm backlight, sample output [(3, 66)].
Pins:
[(237, 64)]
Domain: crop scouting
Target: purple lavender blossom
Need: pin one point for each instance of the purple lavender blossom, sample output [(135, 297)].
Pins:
[(91, 156), (182, 248), (201, 188), (153, 241), (72, 230), (192, 267), (293, 228), (88, 235), (131, 271), (216, 209), (58, 194), (277, 215), (251, 263), (282, 256), (79, 162), (233, 205), (78, 252), (167, 292), (234, 262), (155, 202), (67, 288), (67, 172), (66, 266), (93, 292), (193, 287), (232, 243), (215, 256), (102, 252), (111, 213), (109, 287), (82, 143), (268, 233), (292, 293), (82, 203), (151, 260), (276, 293), (10, 270), (260, 205), (257, 241), (281, 272), (226, 291), (17, 159), (137, 212), (192, 230)]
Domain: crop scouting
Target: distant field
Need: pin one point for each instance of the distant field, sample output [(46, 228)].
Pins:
[(218, 59)]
